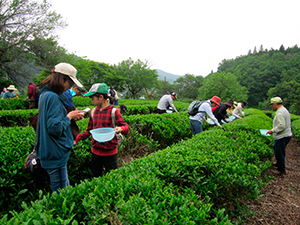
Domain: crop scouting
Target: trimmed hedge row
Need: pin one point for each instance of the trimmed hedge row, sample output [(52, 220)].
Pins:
[(148, 134), (197, 181), (136, 106), (12, 104), (296, 126), (19, 117)]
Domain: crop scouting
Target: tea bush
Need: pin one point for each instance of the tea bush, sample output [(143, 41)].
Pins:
[(12, 104), (19, 117), (296, 129), (196, 181), (21, 139)]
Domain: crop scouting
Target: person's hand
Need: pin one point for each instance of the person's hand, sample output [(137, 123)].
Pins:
[(118, 130), (220, 126), (270, 132), (74, 143), (75, 114), (240, 117)]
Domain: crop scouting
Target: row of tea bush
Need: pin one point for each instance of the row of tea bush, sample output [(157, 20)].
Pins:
[(19, 117), (148, 134), (200, 180), (146, 106)]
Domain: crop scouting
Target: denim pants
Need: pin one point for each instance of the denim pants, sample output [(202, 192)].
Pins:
[(116, 102), (279, 149), (58, 178), (196, 126), (98, 163)]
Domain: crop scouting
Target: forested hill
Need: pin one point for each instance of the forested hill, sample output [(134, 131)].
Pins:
[(169, 77), (268, 73)]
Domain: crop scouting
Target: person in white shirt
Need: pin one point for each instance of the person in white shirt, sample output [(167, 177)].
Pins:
[(238, 110), (165, 102), (282, 133), (205, 108)]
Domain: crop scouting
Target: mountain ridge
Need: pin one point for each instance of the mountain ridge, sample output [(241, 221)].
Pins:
[(169, 76)]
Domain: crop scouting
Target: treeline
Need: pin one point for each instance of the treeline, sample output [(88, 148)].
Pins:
[(266, 74)]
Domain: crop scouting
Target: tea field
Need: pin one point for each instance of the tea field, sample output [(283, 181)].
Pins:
[(181, 180)]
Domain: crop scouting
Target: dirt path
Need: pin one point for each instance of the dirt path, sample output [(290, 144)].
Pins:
[(280, 203)]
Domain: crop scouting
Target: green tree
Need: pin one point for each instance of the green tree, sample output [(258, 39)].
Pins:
[(21, 21), (224, 85), (47, 52), (137, 76), (290, 94), (261, 49), (163, 87), (188, 85), (89, 72), (254, 50)]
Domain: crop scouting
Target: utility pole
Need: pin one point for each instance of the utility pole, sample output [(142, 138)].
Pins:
[(165, 88)]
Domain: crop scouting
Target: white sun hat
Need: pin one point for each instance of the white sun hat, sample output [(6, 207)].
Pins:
[(69, 70)]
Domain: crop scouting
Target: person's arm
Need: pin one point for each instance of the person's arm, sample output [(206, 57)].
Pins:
[(280, 123), (235, 115), (121, 125), (9, 95), (86, 133), (242, 112), (172, 105), (206, 107)]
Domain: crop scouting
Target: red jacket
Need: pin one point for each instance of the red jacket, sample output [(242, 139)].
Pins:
[(31, 92), (102, 118)]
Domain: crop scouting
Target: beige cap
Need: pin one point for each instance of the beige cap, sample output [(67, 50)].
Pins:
[(276, 100), (69, 70)]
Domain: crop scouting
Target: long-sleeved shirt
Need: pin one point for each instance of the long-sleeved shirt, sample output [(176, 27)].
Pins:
[(282, 124), (238, 110), (69, 101), (31, 92), (8, 94), (100, 119), (55, 139), (205, 108), (165, 102), (220, 112)]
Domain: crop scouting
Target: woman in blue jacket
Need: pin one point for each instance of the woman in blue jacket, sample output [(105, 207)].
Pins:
[(55, 139)]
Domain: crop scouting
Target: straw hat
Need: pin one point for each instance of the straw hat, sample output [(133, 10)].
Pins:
[(11, 88)]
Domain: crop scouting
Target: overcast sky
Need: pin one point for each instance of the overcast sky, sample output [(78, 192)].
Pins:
[(178, 37)]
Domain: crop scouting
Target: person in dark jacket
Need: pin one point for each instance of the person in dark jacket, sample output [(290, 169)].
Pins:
[(55, 139), (220, 112), (31, 93)]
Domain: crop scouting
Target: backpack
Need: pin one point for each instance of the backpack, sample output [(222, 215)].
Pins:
[(113, 113), (193, 107), (37, 93)]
